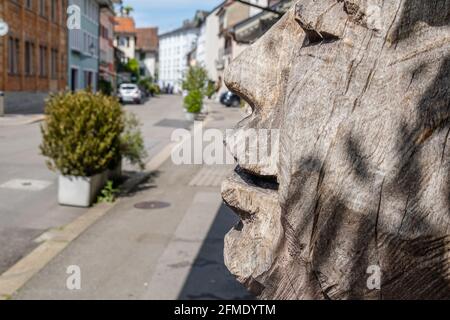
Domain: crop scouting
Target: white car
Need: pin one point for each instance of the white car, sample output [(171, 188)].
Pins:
[(130, 92)]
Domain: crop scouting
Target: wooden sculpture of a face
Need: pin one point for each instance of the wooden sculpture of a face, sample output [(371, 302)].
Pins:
[(355, 203)]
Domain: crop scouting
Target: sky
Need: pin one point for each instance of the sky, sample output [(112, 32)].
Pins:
[(166, 14)]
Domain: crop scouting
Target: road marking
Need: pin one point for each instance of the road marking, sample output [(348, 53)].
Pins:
[(26, 184)]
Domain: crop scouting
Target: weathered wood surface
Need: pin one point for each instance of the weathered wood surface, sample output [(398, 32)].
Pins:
[(360, 91)]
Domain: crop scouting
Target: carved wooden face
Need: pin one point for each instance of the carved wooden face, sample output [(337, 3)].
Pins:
[(359, 90)]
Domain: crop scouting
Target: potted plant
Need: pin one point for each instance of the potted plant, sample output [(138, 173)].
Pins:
[(82, 141), (193, 103)]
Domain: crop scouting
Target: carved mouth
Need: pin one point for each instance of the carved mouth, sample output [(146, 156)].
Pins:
[(250, 246)]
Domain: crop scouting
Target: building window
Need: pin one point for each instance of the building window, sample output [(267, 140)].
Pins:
[(62, 63), (63, 11), (13, 55), (53, 9), (29, 4), (89, 79), (42, 61), (42, 8), (104, 32), (29, 54), (73, 79), (54, 64)]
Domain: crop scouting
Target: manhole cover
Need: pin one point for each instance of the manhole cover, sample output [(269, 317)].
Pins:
[(149, 205), (174, 123)]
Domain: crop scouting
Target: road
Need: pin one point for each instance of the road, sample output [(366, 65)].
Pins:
[(133, 252), (28, 204)]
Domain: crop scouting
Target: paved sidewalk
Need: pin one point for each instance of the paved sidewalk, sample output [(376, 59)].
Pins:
[(28, 189), (139, 252)]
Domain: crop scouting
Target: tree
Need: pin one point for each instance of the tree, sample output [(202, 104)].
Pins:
[(127, 9), (196, 79), (133, 67)]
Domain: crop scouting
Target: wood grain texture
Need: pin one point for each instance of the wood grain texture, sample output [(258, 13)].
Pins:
[(360, 91)]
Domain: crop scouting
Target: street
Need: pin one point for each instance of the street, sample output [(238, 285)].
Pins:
[(133, 252)]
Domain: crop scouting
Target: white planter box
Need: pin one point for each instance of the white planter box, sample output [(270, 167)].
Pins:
[(190, 116), (79, 191)]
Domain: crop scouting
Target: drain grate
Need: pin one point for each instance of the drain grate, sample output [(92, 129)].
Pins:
[(150, 205)]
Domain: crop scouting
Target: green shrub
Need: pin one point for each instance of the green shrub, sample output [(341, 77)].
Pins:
[(109, 193), (145, 83), (210, 89), (196, 79), (105, 87), (132, 66), (132, 142), (81, 134), (193, 101), (155, 89)]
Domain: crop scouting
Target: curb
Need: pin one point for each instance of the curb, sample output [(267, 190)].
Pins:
[(34, 119), (39, 118)]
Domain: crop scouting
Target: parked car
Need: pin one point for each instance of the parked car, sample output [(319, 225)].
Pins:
[(230, 99), (130, 92)]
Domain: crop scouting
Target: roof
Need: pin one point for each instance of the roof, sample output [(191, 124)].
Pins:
[(217, 7), (193, 24), (179, 30), (124, 25), (147, 39)]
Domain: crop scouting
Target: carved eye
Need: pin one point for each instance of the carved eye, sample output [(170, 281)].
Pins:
[(314, 37), (311, 24)]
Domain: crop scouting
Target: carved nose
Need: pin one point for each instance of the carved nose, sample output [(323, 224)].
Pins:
[(237, 76)]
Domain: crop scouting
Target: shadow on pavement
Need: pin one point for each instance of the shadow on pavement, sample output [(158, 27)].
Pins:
[(209, 279)]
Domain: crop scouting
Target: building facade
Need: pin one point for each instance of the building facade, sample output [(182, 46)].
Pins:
[(84, 46), (147, 51), (107, 67), (125, 36), (175, 48), (208, 43), (251, 29), (236, 20), (33, 55)]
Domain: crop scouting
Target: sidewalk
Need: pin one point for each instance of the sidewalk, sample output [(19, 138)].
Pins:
[(139, 252), (28, 189)]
